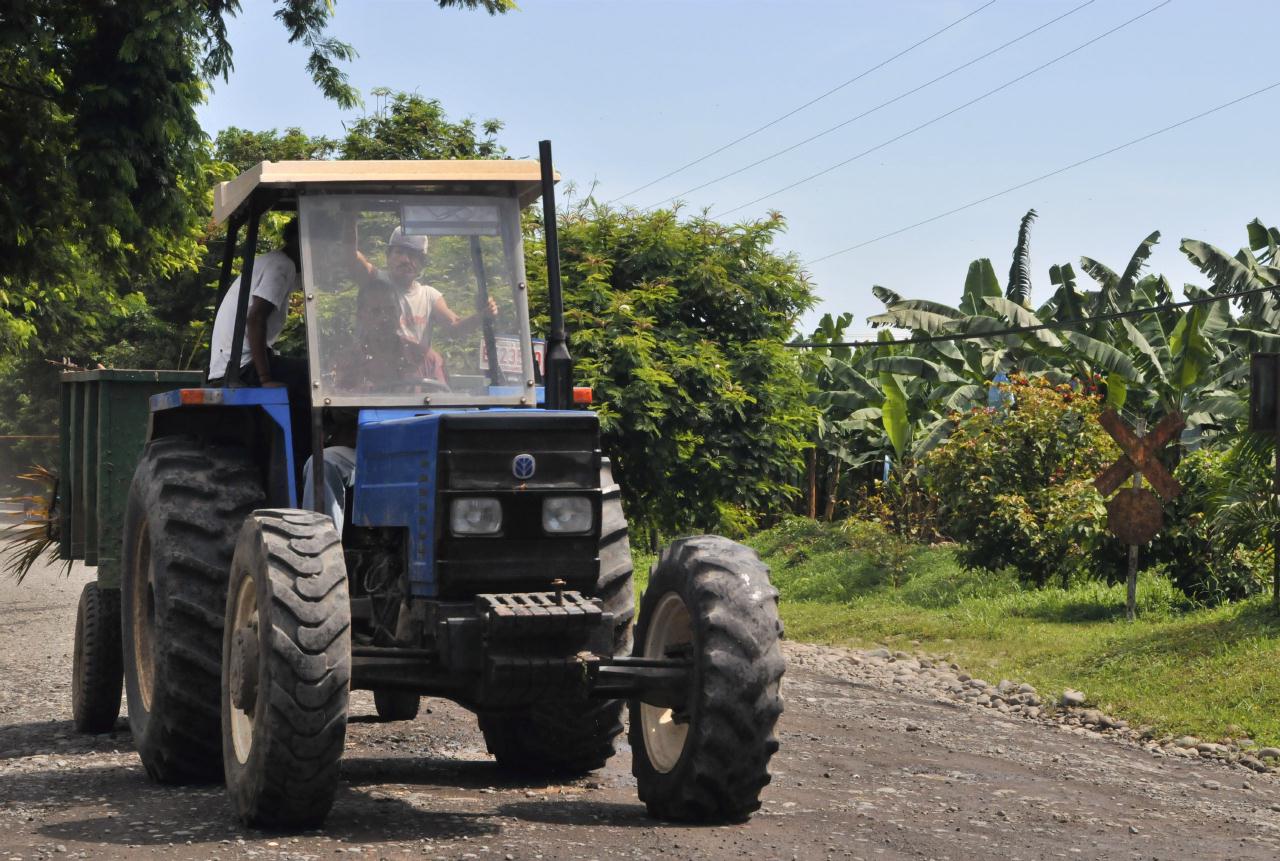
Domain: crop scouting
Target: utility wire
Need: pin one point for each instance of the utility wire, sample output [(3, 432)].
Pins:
[(1045, 176), (943, 116), (812, 101), (871, 111), (1018, 330)]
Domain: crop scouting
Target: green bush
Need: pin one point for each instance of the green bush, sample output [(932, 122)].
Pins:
[(1014, 484), (1208, 566)]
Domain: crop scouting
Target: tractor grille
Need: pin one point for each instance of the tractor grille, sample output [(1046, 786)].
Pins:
[(477, 457)]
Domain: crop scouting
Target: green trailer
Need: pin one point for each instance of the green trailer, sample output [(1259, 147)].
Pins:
[(104, 417)]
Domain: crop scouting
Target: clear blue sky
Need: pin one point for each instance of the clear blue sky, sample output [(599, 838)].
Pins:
[(628, 90)]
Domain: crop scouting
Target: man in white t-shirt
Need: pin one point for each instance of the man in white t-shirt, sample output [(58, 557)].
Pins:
[(275, 277)]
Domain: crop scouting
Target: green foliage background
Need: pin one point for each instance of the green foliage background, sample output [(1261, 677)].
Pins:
[(679, 326), (678, 323)]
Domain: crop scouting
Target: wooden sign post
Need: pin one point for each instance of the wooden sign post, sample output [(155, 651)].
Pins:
[(1135, 515)]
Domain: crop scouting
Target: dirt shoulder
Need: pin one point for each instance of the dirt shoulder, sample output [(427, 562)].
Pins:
[(877, 761)]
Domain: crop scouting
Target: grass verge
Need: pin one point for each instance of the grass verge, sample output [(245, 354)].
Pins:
[(1210, 672)]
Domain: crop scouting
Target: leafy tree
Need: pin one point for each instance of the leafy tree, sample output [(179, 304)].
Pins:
[(243, 149), (411, 127), (101, 154), (679, 327), (164, 320)]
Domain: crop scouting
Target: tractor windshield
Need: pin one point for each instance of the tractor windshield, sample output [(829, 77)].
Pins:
[(415, 299)]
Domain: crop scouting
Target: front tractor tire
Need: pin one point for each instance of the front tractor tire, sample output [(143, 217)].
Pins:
[(186, 505), (97, 675), (573, 738), (286, 658), (709, 600)]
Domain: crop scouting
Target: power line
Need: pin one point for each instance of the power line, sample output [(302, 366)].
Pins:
[(1018, 330), (943, 116), (812, 101), (1045, 176), (871, 111)]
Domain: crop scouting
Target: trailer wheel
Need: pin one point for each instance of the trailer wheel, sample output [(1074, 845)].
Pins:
[(286, 669), (97, 672), (396, 705), (186, 505), (571, 738), (709, 599)]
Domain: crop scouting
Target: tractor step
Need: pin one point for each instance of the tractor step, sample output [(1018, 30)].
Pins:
[(529, 614)]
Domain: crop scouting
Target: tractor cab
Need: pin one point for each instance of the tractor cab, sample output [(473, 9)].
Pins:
[(413, 277)]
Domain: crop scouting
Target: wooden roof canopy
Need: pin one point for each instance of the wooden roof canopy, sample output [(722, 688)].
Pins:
[(524, 177)]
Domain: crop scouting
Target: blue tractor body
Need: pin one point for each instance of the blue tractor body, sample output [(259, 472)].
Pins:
[(479, 551)]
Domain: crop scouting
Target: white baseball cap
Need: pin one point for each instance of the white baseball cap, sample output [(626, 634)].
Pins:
[(405, 240)]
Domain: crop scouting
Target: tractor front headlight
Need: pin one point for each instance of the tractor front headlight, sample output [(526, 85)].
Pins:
[(476, 515), (567, 515)]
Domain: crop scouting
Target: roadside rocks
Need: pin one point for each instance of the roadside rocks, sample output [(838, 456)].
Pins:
[(1072, 699), (938, 678)]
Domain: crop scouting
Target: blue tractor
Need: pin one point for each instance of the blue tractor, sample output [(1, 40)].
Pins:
[(478, 550)]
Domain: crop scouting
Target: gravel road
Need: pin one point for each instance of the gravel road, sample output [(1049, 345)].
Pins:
[(879, 760)]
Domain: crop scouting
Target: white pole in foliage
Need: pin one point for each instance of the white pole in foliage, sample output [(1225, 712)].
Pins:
[(1131, 602)]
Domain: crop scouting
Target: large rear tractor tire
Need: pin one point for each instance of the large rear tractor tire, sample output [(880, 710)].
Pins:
[(710, 600), (186, 505), (396, 705), (576, 737), (286, 658), (97, 673)]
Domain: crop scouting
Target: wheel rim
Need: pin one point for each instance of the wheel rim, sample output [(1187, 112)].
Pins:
[(143, 612), (245, 616), (664, 737)]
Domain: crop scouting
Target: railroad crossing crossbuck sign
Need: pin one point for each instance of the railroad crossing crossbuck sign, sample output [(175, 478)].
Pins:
[(1135, 515)]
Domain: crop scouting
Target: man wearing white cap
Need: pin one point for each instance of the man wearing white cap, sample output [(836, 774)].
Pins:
[(416, 303)]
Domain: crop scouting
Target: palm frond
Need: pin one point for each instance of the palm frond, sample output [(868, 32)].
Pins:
[(34, 541)]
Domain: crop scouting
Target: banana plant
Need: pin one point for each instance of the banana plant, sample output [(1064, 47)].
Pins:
[(880, 401)]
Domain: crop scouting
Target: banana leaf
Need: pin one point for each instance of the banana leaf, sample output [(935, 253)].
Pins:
[(908, 366), (1124, 288), (911, 318), (894, 413), (980, 283), (933, 436), (1019, 316), (966, 397), (1019, 287), (1103, 357), (1155, 368), (885, 295), (1117, 391)]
